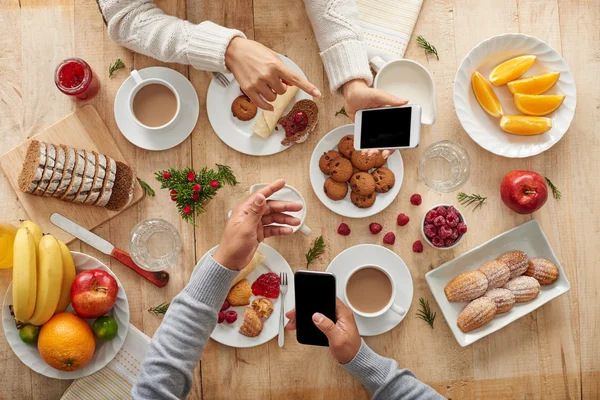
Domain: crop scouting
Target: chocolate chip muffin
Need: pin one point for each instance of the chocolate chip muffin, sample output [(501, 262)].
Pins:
[(363, 162), (362, 183), (346, 146), (335, 190), (324, 161), (243, 108), (384, 179), (362, 201), (379, 161), (341, 170)]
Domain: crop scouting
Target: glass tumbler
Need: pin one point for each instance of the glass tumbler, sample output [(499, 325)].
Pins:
[(445, 166), (154, 244)]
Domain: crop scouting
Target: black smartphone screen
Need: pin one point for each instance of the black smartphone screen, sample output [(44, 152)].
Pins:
[(386, 128), (315, 292)]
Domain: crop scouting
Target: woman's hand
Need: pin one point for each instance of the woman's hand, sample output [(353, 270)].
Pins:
[(261, 73), (250, 224)]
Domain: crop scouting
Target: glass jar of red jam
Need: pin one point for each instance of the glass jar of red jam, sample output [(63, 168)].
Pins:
[(74, 77)]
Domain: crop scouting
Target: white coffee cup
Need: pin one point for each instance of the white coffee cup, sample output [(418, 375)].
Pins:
[(139, 84), (408, 80), (391, 305)]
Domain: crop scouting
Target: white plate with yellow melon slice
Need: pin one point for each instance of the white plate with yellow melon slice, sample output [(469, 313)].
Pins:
[(484, 128), (240, 135)]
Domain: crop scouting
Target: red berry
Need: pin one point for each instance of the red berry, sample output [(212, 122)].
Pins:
[(430, 230), (343, 229), (166, 175), (191, 176), (418, 247), (173, 198), (187, 210), (389, 238), (195, 196), (452, 220), (214, 184), (437, 241), (439, 221), (448, 242), (402, 219), (454, 235), (196, 187), (375, 228), (225, 306), (441, 210), (452, 210), (230, 316), (221, 317), (173, 192), (444, 232), (430, 216), (416, 199), (461, 228)]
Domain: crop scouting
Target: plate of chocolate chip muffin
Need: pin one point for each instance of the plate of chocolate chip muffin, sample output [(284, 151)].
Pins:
[(352, 184)]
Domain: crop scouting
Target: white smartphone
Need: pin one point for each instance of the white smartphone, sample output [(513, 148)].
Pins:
[(388, 128)]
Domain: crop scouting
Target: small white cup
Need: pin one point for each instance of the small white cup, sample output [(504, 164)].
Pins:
[(408, 80), (139, 84), (391, 305)]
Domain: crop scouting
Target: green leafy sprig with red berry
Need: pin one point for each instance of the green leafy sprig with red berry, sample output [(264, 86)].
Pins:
[(191, 190)]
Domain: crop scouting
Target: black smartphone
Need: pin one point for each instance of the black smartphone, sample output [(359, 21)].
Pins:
[(315, 292)]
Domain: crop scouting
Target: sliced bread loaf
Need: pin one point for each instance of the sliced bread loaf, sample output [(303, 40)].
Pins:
[(33, 166), (56, 177), (77, 178), (98, 179), (88, 178), (67, 171), (122, 192), (48, 169), (109, 182)]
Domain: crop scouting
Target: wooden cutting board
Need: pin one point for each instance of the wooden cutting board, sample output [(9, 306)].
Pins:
[(84, 129)]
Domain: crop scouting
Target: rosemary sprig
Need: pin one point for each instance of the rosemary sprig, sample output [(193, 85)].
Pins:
[(316, 251), (425, 312), (428, 47), (160, 309), (147, 188), (117, 65), (468, 199), (342, 111), (555, 192), (227, 174)]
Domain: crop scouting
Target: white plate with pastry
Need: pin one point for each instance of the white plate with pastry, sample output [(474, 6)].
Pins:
[(240, 134), (347, 202), (229, 333), (527, 238)]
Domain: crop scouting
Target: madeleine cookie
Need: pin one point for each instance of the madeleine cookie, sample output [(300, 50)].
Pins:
[(243, 108), (545, 271), (504, 299), (384, 179), (496, 272), (346, 146), (516, 261), (525, 288), (379, 160), (341, 170), (324, 161), (335, 190), (466, 286), (362, 162), (362, 201), (476, 314), (362, 183)]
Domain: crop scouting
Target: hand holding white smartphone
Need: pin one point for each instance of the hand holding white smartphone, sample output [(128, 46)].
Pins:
[(388, 128)]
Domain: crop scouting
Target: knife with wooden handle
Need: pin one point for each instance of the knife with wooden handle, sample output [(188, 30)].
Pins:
[(159, 278)]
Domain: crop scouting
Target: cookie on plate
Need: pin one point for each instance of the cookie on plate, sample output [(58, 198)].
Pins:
[(363, 162), (341, 170), (346, 146), (240, 293), (335, 190), (384, 179), (379, 160), (362, 201), (362, 183), (243, 108), (324, 161)]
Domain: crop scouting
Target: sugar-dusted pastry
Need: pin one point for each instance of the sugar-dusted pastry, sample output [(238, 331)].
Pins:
[(239, 294), (504, 299), (545, 271), (467, 286), (516, 261), (497, 273), (252, 325), (264, 307), (525, 288), (476, 314)]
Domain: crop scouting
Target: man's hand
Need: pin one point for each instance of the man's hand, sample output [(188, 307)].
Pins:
[(250, 224)]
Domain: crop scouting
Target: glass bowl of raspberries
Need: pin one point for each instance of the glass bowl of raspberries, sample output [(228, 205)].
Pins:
[(443, 226)]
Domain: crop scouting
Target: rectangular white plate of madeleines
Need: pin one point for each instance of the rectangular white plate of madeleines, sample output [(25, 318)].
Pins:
[(528, 238)]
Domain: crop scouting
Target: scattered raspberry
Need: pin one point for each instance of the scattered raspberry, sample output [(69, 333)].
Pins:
[(454, 235), (448, 242), (166, 175), (375, 228), (430, 230), (389, 238), (214, 184), (437, 241), (230, 317), (439, 221), (418, 247), (221, 317), (187, 210), (444, 232), (402, 219), (173, 198), (452, 220), (416, 199), (343, 229), (196, 187), (191, 176), (430, 216), (267, 285), (173, 192), (461, 228), (225, 306), (441, 210), (195, 196)]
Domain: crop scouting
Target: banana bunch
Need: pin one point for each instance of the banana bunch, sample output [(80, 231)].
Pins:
[(43, 273)]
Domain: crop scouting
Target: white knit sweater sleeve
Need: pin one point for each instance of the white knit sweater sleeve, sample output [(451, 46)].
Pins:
[(340, 39), (142, 27)]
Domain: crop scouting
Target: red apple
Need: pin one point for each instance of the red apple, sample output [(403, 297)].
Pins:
[(524, 192), (93, 293)]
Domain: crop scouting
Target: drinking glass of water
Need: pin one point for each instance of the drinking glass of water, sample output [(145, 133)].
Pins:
[(445, 166), (154, 244)]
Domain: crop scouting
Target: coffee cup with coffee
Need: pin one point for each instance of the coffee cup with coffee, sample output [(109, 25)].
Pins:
[(153, 103), (370, 292)]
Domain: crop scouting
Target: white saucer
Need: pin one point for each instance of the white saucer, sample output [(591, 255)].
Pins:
[(165, 138), (364, 254), (238, 134)]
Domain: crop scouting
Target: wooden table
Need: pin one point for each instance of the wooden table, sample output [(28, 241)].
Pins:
[(551, 353)]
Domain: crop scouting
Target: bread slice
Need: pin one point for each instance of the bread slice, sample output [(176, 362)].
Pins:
[(108, 184), (88, 177), (67, 172), (77, 176), (56, 177), (48, 169), (98, 179), (33, 166), (311, 110), (256, 259), (122, 192)]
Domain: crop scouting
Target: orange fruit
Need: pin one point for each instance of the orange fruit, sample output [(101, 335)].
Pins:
[(66, 342), (485, 95), (511, 69), (536, 104), (536, 84), (525, 125)]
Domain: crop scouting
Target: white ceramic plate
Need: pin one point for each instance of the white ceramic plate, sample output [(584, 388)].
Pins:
[(228, 334), (485, 129), (345, 207), (238, 134), (527, 237), (166, 138), (363, 254), (105, 351)]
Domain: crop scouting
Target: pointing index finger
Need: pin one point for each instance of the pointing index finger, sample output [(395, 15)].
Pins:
[(293, 78)]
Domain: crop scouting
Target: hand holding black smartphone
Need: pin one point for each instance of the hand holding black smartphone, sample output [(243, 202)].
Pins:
[(315, 292)]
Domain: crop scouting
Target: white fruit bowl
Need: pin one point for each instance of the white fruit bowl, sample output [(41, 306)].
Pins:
[(105, 351)]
